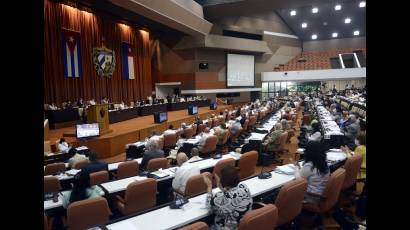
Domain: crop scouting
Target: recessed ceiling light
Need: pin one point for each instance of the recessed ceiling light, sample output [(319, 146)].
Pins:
[(362, 4), (314, 36), (338, 7), (304, 25), (334, 35), (315, 10), (356, 32), (347, 20), (293, 13)]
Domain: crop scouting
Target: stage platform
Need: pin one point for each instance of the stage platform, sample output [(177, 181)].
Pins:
[(129, 131)]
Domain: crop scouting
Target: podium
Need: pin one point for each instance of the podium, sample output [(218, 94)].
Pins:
[(99, 114)]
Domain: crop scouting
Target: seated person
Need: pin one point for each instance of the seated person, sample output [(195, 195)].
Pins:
[(316, 134), (360, 149), (285, 125), (198, 120), (81, 190), (182, 139), (76, 157), (194, 155), (232, 202), (183, 173), (170, 130), (315, 170), (63, 146), (344, 119), (351, 130), (152, 151), (52, 106), (155, 136), (243, 119), (220, 133), (236, 126), (204, 136), (272, 141), (95, 165)]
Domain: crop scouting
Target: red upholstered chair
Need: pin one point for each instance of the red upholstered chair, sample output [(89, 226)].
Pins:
[(87, 213), (264, 218), (139, 196), (170, 140), (196, 226), (247, 164), (51, 184), (352, 167), (99, 177), (290, 200), (157, 163), (201, 128), (220, 165), (189, 132), (330, 196), (209, 146), (196, 184), (80, 164), (127, 169), (54, 168)]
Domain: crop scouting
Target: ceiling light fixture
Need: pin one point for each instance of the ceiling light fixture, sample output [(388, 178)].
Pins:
[(356, 32), (304, 25), (293, 13), (347, 20), (338, 7), (334, 35), (362, 4), (314, 36), (315, 10)]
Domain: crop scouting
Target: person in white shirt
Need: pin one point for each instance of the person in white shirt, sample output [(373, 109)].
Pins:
[(92, 102), (52, 107), (76, 157), (170, 130), (185, 171), (204, 136), (194, 155), (63, 146), (316, 134), (181, 141)]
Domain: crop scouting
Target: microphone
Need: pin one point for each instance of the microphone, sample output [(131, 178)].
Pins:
[(264, 175)]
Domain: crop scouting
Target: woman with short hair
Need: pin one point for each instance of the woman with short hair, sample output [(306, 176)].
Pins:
[(232, 202)]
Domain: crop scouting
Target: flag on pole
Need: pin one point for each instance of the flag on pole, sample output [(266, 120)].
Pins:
[(127, 61), (72, 53)]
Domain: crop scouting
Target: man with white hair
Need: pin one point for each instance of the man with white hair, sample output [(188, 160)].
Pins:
[(152, 151), (207, 133), (185, 171)]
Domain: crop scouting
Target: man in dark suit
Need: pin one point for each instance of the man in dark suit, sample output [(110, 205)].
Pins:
[(152, 151), (95, 165)]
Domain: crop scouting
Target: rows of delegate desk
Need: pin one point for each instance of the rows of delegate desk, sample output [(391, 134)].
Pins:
[(195, 209), (72, 114)]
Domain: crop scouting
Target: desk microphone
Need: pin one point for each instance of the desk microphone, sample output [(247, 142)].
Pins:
[(264, 175)]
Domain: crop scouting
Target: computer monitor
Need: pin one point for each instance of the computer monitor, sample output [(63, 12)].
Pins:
[(213, 106), (160, 117), (192, 110), (87, 130)]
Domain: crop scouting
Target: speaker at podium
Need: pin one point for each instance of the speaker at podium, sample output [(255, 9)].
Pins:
[(99, 114)]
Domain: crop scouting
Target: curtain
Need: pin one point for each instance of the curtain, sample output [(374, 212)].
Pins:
[(95, 29)]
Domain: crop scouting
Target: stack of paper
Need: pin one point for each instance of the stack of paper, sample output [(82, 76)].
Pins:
[(288, 169)]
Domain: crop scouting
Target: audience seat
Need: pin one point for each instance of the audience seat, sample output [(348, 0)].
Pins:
[(210, 145), (352, 167), (87, 213), (80, 164), (201, 128), (139, 196), (264, 218), (196, 226), (189, 132), (220, 165), (247, 164), (330, 196), (99, 177), (196, 184), (157, 163), (170, 140), (127, 169), (51, 184), (290, 200), (54, 168)]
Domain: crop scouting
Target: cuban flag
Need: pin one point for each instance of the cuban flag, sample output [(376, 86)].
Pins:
[(127, 61), (72, 54)]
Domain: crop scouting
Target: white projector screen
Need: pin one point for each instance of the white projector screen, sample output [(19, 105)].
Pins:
[(240, 70)]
